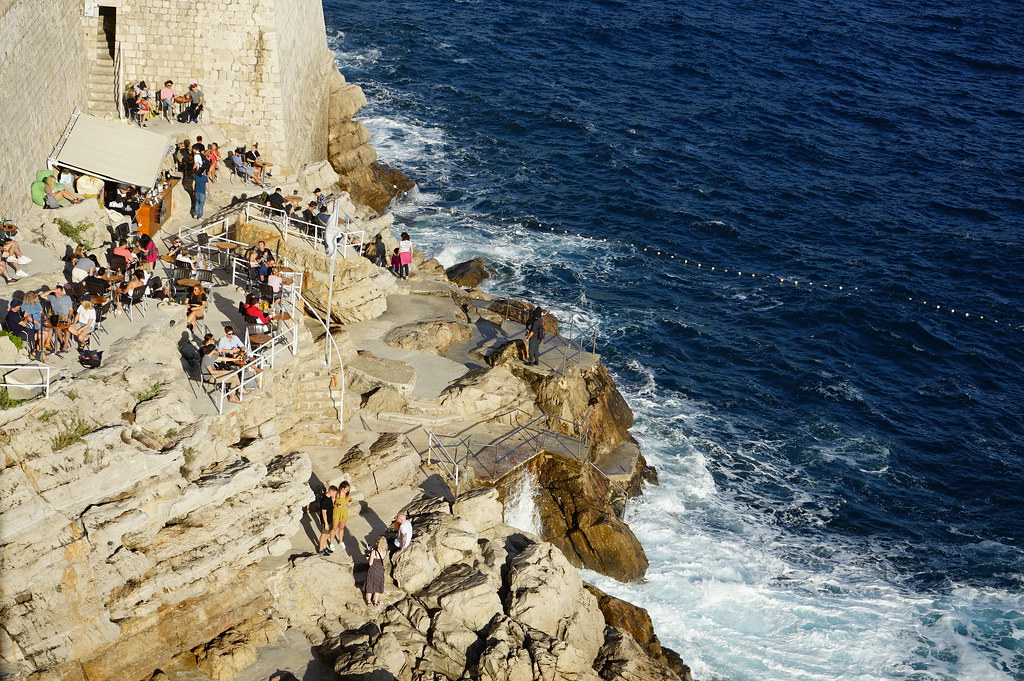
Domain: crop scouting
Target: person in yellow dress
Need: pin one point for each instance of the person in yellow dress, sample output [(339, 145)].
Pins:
[(341, 504)]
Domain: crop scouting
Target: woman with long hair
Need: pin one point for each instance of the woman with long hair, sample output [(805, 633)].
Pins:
[(373, 587), (405, 254), (196, 306)]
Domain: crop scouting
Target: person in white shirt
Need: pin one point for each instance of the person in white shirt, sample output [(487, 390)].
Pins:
[(230, 344), (404, 536)]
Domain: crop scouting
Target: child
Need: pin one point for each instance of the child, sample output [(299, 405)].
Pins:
[(396, 263)]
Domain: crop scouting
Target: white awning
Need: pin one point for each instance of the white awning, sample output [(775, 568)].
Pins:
[(112, 150)]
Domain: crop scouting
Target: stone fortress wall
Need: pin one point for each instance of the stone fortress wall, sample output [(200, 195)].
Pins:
[(263, 65), (42, 76)]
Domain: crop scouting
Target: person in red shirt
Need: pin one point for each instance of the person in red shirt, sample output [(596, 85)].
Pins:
[(253, 310)]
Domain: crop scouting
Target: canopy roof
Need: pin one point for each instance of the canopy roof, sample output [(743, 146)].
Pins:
[(112, 150)]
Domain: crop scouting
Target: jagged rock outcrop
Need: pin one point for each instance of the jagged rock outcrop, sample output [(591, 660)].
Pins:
[(366, 373), (635, 621), (574, 501), (496, 605), (469, 274), (370, 182), (389, 463)]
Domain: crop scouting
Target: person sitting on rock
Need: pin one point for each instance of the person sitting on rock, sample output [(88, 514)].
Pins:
[(404, 536)]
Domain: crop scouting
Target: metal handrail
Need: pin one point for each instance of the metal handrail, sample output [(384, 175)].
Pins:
[(119, 81), (330, 344), (223, 381), (34, 365)]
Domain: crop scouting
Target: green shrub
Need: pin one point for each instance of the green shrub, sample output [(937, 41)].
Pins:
[(149, 394), (8, 402), (75, 232), (70, 433), (18, 342), (47, 415)]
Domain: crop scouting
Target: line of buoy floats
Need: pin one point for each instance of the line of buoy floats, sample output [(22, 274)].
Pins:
[(541, 226)]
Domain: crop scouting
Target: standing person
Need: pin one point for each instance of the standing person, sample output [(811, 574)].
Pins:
[(341, 502), (325, 507), (405, 251), (199, 178), (404, 536), (196, 103), (319, 197), (534, 335), (373, 587), (214, 157), (166, 96), (150, 252)]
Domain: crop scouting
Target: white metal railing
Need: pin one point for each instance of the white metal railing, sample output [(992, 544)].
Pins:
[(348, 240), (329, 345), (226, 392), (41, 368), (447, 456)]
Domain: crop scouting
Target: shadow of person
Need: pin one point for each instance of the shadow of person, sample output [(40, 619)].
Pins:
[(377, 526)]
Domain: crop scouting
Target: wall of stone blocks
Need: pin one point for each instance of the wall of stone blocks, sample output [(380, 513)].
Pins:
[(42, 74), (262, 65)]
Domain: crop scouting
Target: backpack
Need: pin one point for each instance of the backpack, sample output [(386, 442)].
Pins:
[(90, 359), (183, 117)]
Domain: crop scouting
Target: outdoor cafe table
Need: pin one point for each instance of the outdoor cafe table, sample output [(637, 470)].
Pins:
[(189, 282), (97, 299), (111, 279), (60, 327)]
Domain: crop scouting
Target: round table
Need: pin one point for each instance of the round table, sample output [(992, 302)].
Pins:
[(181, 99), (285, 269), (293, 198), (259, 339), (97, 299), (227, 246), (58, 327), (189, 282), (167, 258), (285, 281)]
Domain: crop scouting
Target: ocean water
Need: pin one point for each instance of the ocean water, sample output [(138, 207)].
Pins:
[(838, 436)]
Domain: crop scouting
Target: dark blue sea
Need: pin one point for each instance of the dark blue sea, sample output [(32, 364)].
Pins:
[(839, 436)]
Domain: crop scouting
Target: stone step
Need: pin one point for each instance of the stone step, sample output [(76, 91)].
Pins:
[(318, 414), (419, 419), (322, 431), (306, 403)]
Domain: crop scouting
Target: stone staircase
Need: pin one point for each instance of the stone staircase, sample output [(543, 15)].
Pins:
[(314, 405), (102, 79)]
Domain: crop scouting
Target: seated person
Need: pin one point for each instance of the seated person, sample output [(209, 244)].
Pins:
[(230, 345), (84, 322), (9, 276), (17, 325), (129, 257), (95, 279), (309, 215), (258, 259), (277, 200), (323, 217), (57, 193), (246, 170), (11, 252), (211, 374), (196, 306), (253, 157), (62, 306), (208, 339), (84, 267), (252, 309), (177, 248), (196, 102), (124, 292), (275, 281), (194, 264), (32, 311)]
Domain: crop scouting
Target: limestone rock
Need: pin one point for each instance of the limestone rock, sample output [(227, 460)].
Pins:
[(576, 514), (480, 507), (390, 463), (485, 394), (506, 353), (470, 273), (635, 621), (623, 659), (518, 652), (319, 174), (546, 592), (384, 400), (430, 267), (433, 336), (466, 597), (225, 656), (367, 372)]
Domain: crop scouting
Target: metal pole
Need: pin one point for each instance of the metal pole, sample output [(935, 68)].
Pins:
[(333, 252)]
